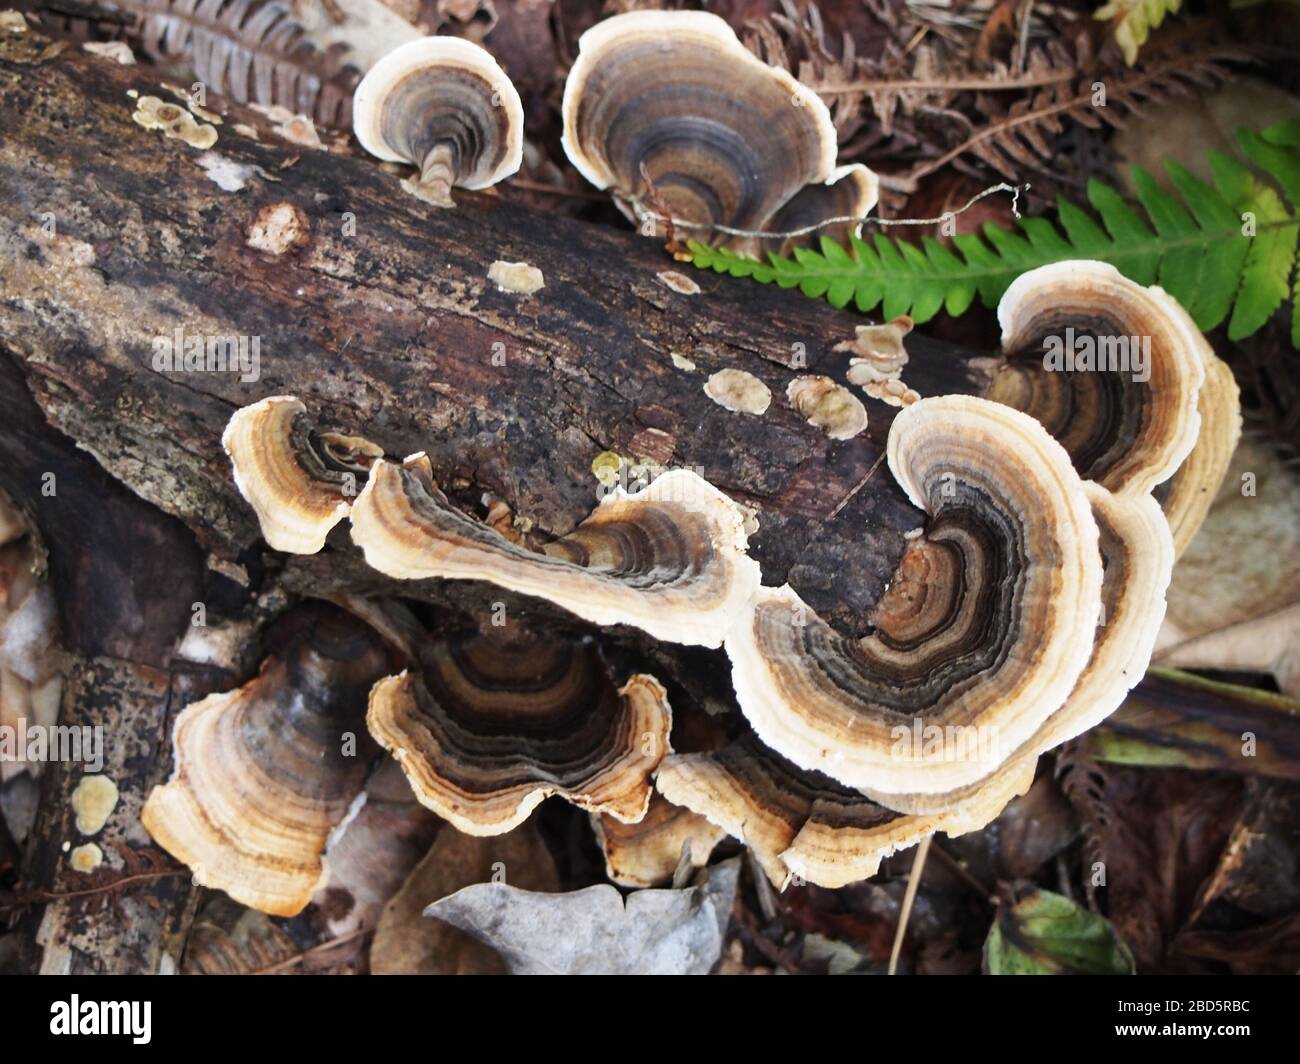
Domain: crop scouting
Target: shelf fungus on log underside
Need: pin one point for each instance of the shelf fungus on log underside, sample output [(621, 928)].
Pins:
[(648, 852), (493, 726), (669, 559), (300, 482), (264, 773), (795, 821), (1110, 368), (983, 632), (444, 105), (669, 108)]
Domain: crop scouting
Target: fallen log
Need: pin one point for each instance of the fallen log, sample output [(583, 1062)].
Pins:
[(377, 311)]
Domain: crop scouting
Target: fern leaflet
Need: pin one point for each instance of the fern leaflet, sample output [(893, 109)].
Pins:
[(1225, 249)]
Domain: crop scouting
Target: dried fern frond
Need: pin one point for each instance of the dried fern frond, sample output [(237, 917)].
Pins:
[(253, 51), (1020, 136)]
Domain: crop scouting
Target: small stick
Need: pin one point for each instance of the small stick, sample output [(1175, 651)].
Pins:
[(909, 896)]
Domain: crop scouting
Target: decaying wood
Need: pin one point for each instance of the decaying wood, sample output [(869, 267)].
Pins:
[(380, 316)]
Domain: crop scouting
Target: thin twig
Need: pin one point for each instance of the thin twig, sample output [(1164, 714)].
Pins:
[(40, 897), (964, 874), (866, 219), (856, 488), (909, 896), (1027, 81)]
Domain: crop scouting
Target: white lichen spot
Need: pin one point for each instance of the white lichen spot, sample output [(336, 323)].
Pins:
[(93, 803), (738, 391), (682, 362), (517, 277), (829, 406), (118, 51), (86, 858), (278, 228), (229, 175), (175, 122), (678, 282)]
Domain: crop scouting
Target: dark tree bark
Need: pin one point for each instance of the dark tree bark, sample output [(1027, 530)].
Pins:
[(382, 319)]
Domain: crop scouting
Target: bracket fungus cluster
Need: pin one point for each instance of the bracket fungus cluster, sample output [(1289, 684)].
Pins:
[(987, 624), (444, 105), (668, 109), (1021, 612)]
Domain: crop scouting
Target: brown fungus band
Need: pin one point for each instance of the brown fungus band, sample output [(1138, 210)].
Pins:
[(1110, 368), (674, 99), (983, 632), (669, 559), (264, 773), (445, 106), (494, 725)]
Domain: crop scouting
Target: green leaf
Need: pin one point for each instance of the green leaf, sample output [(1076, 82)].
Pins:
[(1226, 249), (1037, 932)]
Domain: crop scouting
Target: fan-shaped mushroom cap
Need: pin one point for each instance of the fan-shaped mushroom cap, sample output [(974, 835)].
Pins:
[(850, 192), (1137, 554), (795, 822), (264, 773), (444, 105), (1188, 494), (669, 559), (494, 726), (981, 635), (647, 853), (673, 96), (300, 482), (1127, 434)]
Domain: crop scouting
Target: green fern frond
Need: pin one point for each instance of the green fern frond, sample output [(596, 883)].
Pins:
[(1225, 249), (1134, 20)]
